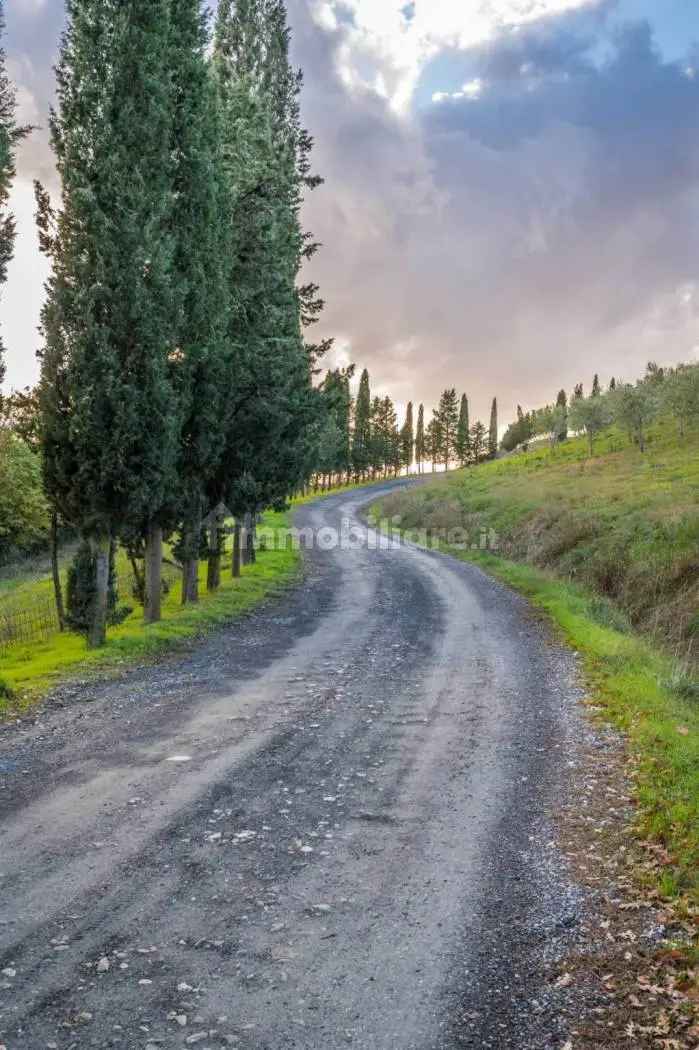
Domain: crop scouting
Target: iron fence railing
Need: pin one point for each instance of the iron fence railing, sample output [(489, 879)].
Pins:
[(25, 620)]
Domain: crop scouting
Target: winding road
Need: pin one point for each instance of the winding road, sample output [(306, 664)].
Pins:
[(327, 825)]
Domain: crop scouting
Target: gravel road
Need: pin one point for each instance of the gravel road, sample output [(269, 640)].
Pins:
[(327, 825)]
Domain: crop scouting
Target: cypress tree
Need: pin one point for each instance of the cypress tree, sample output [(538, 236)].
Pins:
[(596, 389), (612, 383), (10, 135), (377, 444), (420, 438), (53, 392), (462, 445), (201, 246), (272, 409), (493, 430), (335, 427), (361, 441), (407, 437), (112, 136), (562, 404)]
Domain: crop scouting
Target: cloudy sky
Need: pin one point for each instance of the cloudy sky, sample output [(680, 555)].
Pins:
[(512, 187)]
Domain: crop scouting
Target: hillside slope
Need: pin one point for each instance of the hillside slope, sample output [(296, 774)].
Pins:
[(623, 525), (608, 548)]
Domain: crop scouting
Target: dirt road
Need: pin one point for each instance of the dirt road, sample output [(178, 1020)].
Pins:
[(325, 826)]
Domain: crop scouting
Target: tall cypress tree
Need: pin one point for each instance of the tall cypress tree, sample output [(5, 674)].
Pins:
[(112, 135), (201, 248), (10, 135), (272, 409), (407, 436), (338, 405), (493, 430), (596, 388), (562, 406), (361, 441), (462, 444), (420, 438)]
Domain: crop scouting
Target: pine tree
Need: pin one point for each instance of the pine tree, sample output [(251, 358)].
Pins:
[(408, 439), (420, 439), (434, 441), (596, 388), (462, 445), (112, 135), (447, 415), (612, 383), (578, 392), (10, 135), (389, 438), (493, 431), (478, 442), (361, 441)]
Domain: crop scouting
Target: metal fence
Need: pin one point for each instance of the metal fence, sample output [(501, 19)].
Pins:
[(35, 619)]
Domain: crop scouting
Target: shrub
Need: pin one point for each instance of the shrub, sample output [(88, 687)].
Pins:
[(24, 514), (80, 593)]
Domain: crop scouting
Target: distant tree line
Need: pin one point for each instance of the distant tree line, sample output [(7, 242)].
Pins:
[(672, 393), (361, 438)]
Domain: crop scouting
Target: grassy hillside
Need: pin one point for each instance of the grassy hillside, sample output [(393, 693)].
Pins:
[(608, 548), (623, 525)]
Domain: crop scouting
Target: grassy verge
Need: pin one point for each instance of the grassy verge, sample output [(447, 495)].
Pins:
[(29, 671), (622, 524), (641, 691)]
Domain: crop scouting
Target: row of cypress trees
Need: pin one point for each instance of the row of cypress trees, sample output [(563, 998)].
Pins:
[(175, 376), (10, 136), (361, 437)]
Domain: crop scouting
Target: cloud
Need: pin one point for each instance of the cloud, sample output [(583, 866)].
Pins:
[(391, 41), (512, 238), (534, 226)]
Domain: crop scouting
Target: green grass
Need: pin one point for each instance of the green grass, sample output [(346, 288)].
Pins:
[(641, 687), (622, 524), (29, 671)]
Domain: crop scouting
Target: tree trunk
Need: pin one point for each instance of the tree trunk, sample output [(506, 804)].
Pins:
[(154, 581), (641, 439), (190, 581), (246, 539), (190, 560), (56, 572), (213, 572), (97, 635), (138, 579), (249, 554), (236, 550)]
